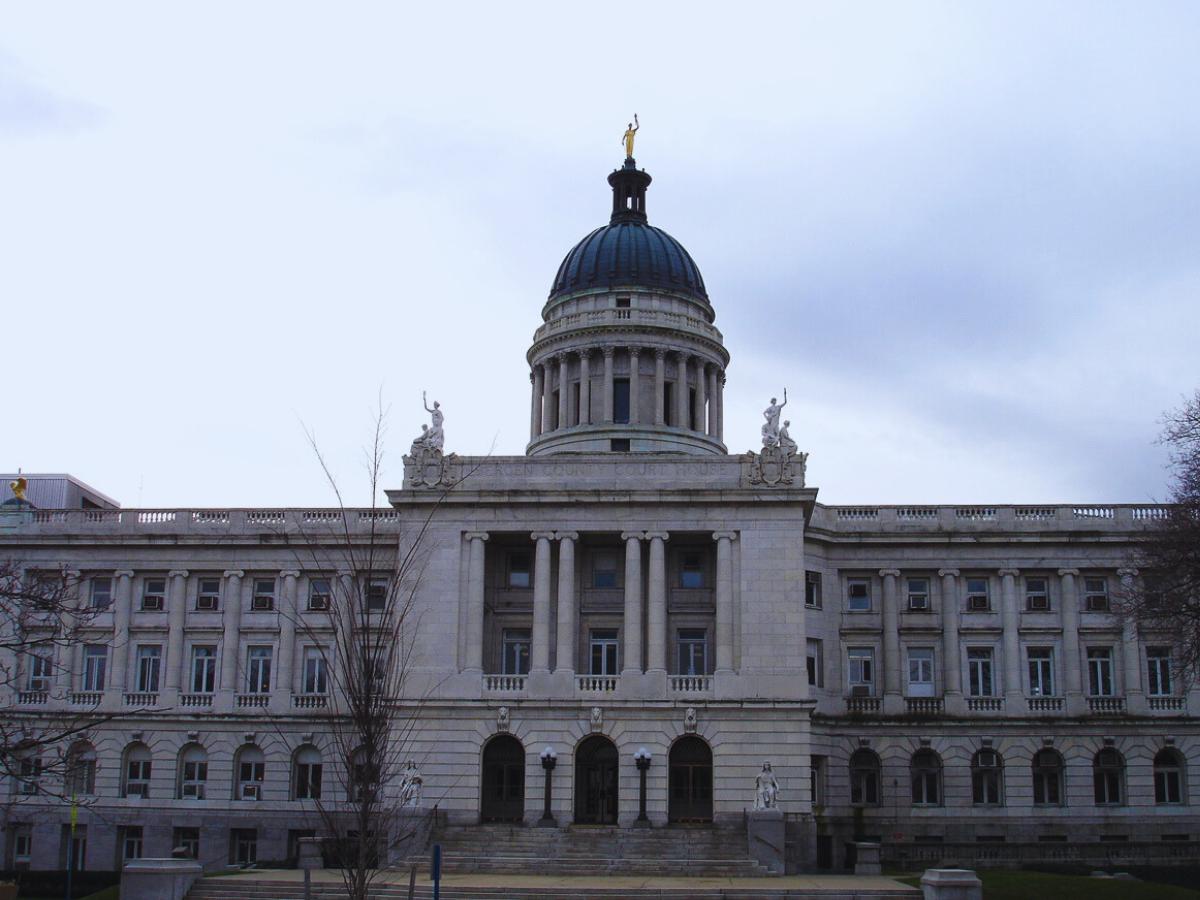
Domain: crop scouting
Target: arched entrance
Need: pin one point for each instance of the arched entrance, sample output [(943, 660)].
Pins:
[(503, 795), (596, 782), (690, 779)]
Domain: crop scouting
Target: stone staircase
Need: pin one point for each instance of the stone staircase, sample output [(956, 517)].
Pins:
[(684, 851)]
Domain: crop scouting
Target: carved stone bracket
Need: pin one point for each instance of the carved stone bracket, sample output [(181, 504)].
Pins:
[(773, 467)]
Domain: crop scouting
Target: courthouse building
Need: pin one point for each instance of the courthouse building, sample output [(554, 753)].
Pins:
[(921, 675)]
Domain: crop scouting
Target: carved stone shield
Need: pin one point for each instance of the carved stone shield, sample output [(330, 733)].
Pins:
[(771, 467)]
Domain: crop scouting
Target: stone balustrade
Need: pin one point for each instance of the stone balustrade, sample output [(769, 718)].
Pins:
[(596, 684), (690, 684), (1116, 517), (504, 683), (198, 521), (1106, 705), (642, 318)]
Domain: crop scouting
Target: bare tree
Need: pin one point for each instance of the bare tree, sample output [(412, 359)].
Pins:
[(43, 619), (1167, 600)]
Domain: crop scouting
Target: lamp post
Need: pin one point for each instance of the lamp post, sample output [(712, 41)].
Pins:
[(642, 758), (549, 761)]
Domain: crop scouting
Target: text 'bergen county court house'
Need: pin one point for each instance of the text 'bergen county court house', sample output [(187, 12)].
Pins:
[(630, 617)]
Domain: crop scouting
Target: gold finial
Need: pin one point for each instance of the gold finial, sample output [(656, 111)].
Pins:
[(630, 131), (18, 488)]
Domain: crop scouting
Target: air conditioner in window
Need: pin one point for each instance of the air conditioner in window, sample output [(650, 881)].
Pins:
[(1039, 602), (1097, 603), (152, 602), (39, 684), (918, 601), (193, 791), (262, 602), (137, 790), (206, 601), (318, 601), (978, 603), (860, 690), (251, 791)]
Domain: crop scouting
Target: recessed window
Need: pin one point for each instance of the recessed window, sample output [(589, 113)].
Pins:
[(691, 570), (918, 594), (258, 670), (621, 401), (149, 666), (377, 594), (815, 661), (515, 645), (602, 646), (987, 778), (1100, 671), (1108, 777), (204, 669), (316, 671), (864, 778), (187, 840), (979, 671), (623, 303), (858, 594), (101, 593), (1047, 778), (208, 596), (812, 590), (520, 570), (1041, 671), (860, 670), (1158, 671), (977, 595), (318, 593), (604, 570), (95, 662), (619, 445), (692, 651), (1095, 592), (926, 772), (1168, 777), (920, 672), (264, 594), (154, 594), (1037, 595)]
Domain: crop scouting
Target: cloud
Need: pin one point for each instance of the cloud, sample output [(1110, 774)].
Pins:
[(28, 109)]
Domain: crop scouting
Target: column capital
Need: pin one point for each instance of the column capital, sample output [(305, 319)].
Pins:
[(566, 535), (658, 535), (1009, 573), (345, 573), (128, 573), (609, 351), (948, 573), (1065, 572), (473, 536), (178, 573), (541, 535), (660, 352), (634, 350), (683, 355), (1126, 572), (884, 573), (633, 535), (290, 573), (585, 352), (726, 535), (234, 573), (562, 355)]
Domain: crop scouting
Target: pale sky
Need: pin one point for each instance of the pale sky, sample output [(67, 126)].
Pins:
[(963, 236)]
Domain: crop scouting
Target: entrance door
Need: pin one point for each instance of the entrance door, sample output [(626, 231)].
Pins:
[(596, 782), (503, 797), (691, 780)]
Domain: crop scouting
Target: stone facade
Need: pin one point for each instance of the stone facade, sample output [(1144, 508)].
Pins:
[(915, 675)]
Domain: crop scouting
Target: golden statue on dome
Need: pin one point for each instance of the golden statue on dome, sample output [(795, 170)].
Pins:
[(19, 487), (630, 131)]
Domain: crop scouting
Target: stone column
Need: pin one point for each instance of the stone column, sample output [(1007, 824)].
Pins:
[(656, 616), (635, 391), (567, 629), (475, 586), (285, 678), (633, 602), (122, 608), (535, 414), (951, 661), (546, 392), (701, 383), (563, 422), (1010, 617), (1131, 652), (712, 401), (659, 385), (585, 386), (893, 697), (176, 612), (720, 406), (231, 620), (1072, 666), (681, 391), (724, 541), (540, 654), (608, 384)]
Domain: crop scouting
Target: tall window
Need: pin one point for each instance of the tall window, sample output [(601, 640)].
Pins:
[(95, 661), (318, 593), (1168, 777), (1047, 778), (1100, 671), (858, 594), (264, 594), (22, 844), (208, 595), (137, 771), (920, 672), (258, 670), (149, 667), (812, 590), (691, 569), (376, 589), (864, 778), (250, 769), (979, 671), (193, 772), (926, 772), (692, 651), (243, 846), (816, 663), (131, 842), (1041, 671), (604, 570), (621, 400), (977, 595), (918, 593), (1108, 776), (987, 778), (81, 770), (101, 593), (1158, 671), (306, 780), (40, 665), (520, 570), (316, 680), (602, 643), (1037, 594), (515, 645), (1095, 592), (204, 669), (154, 594), (860, 670)]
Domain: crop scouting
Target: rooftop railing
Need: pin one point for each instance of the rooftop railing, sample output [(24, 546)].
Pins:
[(1114, 517), (199, 521)]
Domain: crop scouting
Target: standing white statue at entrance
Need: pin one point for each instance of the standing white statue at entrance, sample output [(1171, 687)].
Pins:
[(766, 789), (770, 429), (410, 785)]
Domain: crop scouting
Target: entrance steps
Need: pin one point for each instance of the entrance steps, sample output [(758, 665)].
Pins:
[(683, 851)]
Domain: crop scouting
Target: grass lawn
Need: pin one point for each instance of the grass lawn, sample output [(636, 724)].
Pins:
[(1011, 884)]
